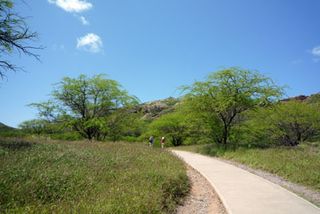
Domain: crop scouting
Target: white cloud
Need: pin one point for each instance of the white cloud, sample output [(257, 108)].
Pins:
[(316, 51), (76, 6), (83, 20), (90, 42)]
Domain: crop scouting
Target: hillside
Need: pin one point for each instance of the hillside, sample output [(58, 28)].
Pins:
[(154, 109), (308, 98), (7, 131), (4, 127)]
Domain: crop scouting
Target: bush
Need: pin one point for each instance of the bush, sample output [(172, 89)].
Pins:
[(172, 126), (288, 123), (70, 136), (130, 139), (173, 191)]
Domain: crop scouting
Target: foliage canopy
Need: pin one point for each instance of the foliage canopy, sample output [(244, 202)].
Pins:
[(225, 94), (85, 103), (287, 123)]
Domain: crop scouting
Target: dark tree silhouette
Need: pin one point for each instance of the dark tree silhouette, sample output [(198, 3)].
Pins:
[(15, 37)]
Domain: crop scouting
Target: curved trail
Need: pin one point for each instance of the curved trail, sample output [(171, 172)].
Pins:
[(243, 192)]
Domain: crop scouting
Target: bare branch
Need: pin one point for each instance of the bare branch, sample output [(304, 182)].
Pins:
[(14, 36)]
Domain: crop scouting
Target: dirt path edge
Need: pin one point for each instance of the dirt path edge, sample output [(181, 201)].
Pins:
[(202, 198)]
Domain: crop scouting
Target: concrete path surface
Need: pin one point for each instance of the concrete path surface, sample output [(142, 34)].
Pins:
[(242, 192)]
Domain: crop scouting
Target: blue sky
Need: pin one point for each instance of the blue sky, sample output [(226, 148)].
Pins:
[(154, 46)]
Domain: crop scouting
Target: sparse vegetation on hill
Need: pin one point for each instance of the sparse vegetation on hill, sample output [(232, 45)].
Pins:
[(155, 109), (42, 177)]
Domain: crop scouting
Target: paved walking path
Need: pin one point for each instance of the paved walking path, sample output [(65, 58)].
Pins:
[(243, 192)]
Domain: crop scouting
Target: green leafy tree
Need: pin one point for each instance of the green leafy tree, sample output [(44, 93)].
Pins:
[(225, 95), (287, 123), (123, 123), (84, 103), (172, 125), (203, 126), (48, 111), (14, 36), (35, 126)]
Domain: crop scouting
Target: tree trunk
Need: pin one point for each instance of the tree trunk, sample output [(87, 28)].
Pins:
[(225, 135)]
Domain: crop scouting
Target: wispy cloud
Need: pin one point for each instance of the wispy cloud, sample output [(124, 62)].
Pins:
[(90, 42), (75, 6), (316, 54), (83, 20), (316, 51)]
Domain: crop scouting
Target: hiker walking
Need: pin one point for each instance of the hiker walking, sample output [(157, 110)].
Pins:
[(162, 142), (151, 140)]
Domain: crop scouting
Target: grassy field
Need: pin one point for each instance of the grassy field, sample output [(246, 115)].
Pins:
[(87, 177), (300, 164)]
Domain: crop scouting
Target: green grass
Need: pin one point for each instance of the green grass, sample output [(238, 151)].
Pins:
[(88, 177), (299, 164)]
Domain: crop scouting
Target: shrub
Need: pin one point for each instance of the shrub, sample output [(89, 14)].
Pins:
[(288, 123), (172, 125)]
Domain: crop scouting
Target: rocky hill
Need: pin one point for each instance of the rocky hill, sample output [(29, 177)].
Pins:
[(154, 109), (310, 98)]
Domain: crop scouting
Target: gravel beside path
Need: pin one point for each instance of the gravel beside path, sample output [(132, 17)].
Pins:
[(202, 198)]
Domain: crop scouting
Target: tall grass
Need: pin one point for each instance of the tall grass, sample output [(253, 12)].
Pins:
[(88, 177)]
